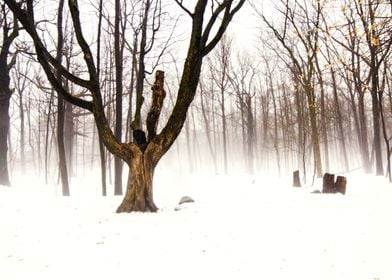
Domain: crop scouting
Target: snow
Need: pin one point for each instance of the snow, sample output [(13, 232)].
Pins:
[(239, 227)]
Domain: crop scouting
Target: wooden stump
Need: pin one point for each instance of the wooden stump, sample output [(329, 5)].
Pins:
[(340, 184), (330, 186), (296, 180), (328, 183)]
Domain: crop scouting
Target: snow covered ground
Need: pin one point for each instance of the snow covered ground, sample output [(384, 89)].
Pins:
[(240, 227)]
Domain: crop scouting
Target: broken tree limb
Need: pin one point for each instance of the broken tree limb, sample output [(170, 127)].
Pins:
[(158, 95)]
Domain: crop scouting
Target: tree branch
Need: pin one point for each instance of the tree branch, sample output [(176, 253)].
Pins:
[(228, 15), (179, 3)]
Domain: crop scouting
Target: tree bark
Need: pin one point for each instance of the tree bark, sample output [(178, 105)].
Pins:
[(118, 165), (324, 126), (340, 184), (60, 107), (376, 124), (315, 132), (139, 195), (328, 183), (5, 96), (9, 33)]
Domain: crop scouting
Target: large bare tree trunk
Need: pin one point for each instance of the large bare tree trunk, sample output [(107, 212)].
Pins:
[(139, 195)]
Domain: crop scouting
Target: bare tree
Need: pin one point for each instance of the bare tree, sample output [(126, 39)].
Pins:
[(144, 153), (20, 73), (9, 28), (242, 83), (376, 26), (301, 49), (219, 69), (60, 106), (368, 41), (118, 56)]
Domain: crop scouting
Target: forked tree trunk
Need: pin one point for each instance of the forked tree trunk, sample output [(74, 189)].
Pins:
[(139, 195)]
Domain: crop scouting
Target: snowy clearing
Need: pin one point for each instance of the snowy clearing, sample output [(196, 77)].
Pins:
[(239, 227)]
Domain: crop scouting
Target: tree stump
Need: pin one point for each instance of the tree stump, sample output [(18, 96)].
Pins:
[(296, 180), (330, 186), (328, 183), (340, 184)]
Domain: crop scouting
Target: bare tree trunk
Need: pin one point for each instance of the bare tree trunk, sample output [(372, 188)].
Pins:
[(208, 130), (139, 195), (301, 132), (276, 144), (9, 33), (314, 130), (324, 127), (5, 96), (224, 130), (188, 146), (376, 122), (342, 135), (69, 134), (102, 155), (250, 134), (119, 88), (22, 133), (60, 104), (383, 123), (47, 146)]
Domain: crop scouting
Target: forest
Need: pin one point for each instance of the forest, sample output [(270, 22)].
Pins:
[(178, 139), (220, 86)]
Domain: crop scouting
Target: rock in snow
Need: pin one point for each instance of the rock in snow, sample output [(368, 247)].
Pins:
[(186, 199)]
